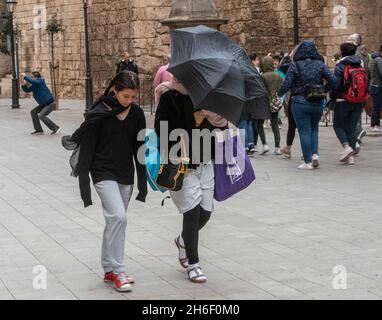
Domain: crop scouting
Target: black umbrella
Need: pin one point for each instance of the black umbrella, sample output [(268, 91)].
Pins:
[(216, 72)]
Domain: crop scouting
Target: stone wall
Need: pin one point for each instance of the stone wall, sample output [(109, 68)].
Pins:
[(5, 61), (264, 26), (131, 26), (117, 26), (68, 46)]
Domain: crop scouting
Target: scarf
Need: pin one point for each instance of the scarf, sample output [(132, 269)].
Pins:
[(212, 117)]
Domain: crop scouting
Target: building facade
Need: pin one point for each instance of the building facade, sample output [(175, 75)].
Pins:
[(117, 26), (5, 60)]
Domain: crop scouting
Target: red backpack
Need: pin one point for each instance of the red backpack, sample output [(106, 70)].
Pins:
[(356, 84)]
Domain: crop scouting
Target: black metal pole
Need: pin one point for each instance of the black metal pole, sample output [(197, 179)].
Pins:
[(15, 77), (89, 83), (296, 23)]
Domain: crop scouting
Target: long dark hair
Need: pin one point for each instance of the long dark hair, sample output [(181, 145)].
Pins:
[(123, 80)]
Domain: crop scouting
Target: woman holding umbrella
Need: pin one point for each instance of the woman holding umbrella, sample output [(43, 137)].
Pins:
[(195, 200), (212, 73)]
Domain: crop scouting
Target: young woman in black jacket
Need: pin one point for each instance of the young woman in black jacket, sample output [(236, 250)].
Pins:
[(108, 149)]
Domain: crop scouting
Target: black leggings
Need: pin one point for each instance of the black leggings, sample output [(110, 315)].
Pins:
[(193, 221), (291, 128), (275, 129)]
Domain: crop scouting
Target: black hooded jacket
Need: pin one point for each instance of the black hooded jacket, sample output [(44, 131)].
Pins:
[(108, 146)]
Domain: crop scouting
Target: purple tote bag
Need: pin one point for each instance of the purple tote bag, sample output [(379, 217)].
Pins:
[(233, 169)]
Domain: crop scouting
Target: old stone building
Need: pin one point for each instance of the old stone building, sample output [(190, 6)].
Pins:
[(5, 61), (134, 26)]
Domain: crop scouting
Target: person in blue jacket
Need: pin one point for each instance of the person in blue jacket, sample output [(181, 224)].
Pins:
[(46, 103), (307, 70)]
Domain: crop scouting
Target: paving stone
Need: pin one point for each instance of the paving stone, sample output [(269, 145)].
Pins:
[(278, 239)]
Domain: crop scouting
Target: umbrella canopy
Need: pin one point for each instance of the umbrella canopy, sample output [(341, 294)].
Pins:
[(217, 73)]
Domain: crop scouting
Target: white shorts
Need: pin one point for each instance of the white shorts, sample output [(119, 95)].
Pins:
[(198, 188)]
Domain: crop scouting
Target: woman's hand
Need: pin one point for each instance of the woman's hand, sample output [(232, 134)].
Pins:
[(199, 117)]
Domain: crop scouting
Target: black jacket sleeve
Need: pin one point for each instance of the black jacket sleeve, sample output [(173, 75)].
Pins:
[(139, 158), (87, 149), (339, 79)]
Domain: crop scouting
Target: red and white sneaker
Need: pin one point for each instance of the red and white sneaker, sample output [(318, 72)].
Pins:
[(110, 277), (121, 282)]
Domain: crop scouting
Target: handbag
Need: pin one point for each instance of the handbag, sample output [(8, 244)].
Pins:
[(232, 173), (314, 93), (171, 175), (275, 102)]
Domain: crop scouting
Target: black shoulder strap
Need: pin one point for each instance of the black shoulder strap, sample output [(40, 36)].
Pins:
[(299, 73)]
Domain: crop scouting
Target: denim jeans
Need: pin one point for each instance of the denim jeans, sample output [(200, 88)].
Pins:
[(307, 116), (246, 132), (345, 121), (377, 106)]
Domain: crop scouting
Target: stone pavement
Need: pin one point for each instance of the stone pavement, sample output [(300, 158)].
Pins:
[(279, 239)]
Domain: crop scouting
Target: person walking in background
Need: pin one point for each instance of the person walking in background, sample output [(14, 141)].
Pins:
[(162, 74), (376, 90), (256, 61), (247, 125), (307, 71), (357, 39), (247, 134), (365, 57), (126, 63), (292, 127), (108, 149), (46, 104), (276, 60), (347, 111), (273, 82)]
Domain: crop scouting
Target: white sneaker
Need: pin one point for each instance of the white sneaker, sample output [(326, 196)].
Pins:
[(350, 161), (305, 166), (315, 161), (361, 135), (121, 283), (265, 150), (376, 129), (346, 154), (277, 152)]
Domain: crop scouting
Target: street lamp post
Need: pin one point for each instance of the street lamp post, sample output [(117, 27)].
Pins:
[(11, 6), (89, 83), (296, 23)]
